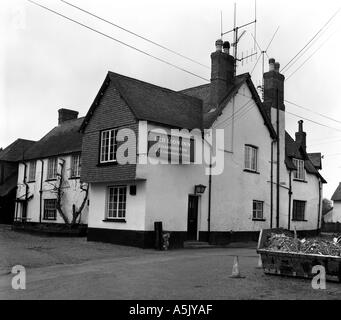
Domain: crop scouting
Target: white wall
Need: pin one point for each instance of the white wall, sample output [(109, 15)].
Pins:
[(167, 189), (135, 209), (234, 190), (72, 192), (335, 214)]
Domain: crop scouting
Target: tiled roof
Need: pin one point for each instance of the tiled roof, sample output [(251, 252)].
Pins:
[(63, 139), (316, 160), (294, 150), (9, 185), (153, 103), (203, 93), (337, 194), (15, 151)]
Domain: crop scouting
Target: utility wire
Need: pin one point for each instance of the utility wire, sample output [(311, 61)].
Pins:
[(164, 61), (312, 39), (307, 109), (305, 61), (316, 122), (119, 41), (135, 34)]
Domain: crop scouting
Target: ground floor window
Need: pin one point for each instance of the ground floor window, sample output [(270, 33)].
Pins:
[(257, 210), (298, 210), (116, 202), (50, 210)]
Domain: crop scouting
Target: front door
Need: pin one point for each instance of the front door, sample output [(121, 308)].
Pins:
[(192, 224)]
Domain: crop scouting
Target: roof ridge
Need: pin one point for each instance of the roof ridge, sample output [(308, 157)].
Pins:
[(155, 86)]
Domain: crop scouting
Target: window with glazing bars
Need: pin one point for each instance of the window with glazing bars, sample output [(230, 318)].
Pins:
[(32, 171), (257, 210), (251, 154), (50, 210), (300, 172), (75, 166), (116, 204), (52, 168), (298, 210), (108, 146)]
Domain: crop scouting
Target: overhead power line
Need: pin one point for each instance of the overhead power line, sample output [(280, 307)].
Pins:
[(119, 41), (135, 34), (305, 61), (313, 121), (307, 109), (311, 40)]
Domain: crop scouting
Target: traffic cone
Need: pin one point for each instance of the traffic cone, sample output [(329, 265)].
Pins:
[(235, 269), (260, 264)]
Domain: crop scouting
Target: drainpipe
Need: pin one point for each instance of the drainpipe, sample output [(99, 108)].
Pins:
[(290, 193), (41, 189), (278, 161), (209, 201), (26, 187), (271, 183), (319, 207)]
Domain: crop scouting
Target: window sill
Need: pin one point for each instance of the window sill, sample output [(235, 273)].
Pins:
[(107, 164), (260, 220), (294, 220), (115, 220), (251, 171), (74, 178), (52, 179), (49, 220), (32, 181), (298, 180)]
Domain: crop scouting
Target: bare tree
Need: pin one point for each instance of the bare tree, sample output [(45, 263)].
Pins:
[(58, 187)]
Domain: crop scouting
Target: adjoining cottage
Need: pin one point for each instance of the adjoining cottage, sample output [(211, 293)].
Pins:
[(334, 215), (268, 179), (9, 159), (49, 187)]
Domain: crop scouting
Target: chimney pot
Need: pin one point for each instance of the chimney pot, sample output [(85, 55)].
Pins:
[(301, 136), (277, 66), (219, 45), (66, 114), (226, 47), (272, 62)]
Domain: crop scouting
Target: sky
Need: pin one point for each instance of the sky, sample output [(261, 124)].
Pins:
[(48, 63)]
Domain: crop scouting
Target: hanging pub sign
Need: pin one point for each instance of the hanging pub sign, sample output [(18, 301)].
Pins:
[(170, 148)]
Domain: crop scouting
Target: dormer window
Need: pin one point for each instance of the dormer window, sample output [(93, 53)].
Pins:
[(299, 173)]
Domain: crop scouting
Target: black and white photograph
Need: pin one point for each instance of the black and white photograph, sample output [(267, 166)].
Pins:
[(180, 151)]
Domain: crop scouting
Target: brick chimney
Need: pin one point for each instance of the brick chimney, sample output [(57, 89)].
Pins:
[(66, 114), (273, 80), (222, 72), (301, 136)]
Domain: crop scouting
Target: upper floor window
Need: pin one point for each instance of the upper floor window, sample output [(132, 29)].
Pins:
[(257, 210), (75, 166), (52, 168), (116, 202), (32, 171), (299, 173), (251, 154), (108, 146), (298, 210)]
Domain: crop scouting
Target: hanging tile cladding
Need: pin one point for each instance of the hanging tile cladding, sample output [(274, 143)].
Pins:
[(111, 112)]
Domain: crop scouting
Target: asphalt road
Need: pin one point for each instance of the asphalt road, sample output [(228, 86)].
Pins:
[(104, 271)]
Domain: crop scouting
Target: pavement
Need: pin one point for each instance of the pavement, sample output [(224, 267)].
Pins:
[(72, 268)]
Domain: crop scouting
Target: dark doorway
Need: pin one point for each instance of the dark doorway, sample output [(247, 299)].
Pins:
[(192, 223)]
